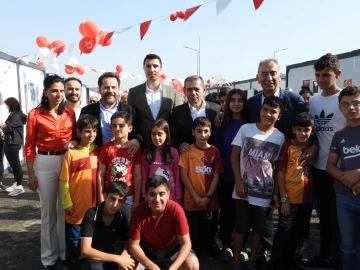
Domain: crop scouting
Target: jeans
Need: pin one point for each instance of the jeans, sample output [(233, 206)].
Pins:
[(227, 212), (72, 239), (348, 210), (12, 156)]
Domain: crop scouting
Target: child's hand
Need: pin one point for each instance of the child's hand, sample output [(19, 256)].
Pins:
[(350, 178), (275, 202), (356, 188), (241, 189), (70, 210), (203, 202), (285, 208)]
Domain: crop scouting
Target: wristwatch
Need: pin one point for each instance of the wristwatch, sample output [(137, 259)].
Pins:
[(284, 199)]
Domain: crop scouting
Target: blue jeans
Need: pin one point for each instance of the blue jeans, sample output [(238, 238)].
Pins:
[(72, 239), (348, 211)]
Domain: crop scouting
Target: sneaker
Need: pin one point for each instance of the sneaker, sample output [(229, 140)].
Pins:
[(226, 255), (317, 262), (238, 266), (251, 265), (9, 189), (244, 256), (16, 191)]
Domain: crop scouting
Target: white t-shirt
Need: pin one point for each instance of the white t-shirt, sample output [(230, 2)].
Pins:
[(328, 120), (259, 151)]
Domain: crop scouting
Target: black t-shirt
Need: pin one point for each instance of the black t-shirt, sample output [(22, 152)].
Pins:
[(108, 239)]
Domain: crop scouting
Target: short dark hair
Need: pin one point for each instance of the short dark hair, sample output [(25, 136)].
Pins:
[(118, 187), (123, 115), (13, 104), (224, 91), (201, 121), (156, 181), (327, 61), (151, 57), (349, 91), (305, 91), (303, 119), (108, 75), (194, 78), (86, 120), (274, 102), (72, 79), (49, 80)]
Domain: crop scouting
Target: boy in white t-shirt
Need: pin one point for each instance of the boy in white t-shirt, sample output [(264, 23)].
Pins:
[(256, 147), (324, 108)]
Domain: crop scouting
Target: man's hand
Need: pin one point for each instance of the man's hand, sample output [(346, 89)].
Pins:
[(33, 182), (184, 147), (308, 155), (125, 262), (240, 189), (70, 145), (285, 208), (70, 210), (218, 120), (133, 146), (134, 205), (350, 178), (203, 202)]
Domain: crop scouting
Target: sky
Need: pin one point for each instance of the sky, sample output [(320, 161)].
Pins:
[(232, 44)]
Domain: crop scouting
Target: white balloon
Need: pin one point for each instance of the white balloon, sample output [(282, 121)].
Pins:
[(43, 53), (73, 61)]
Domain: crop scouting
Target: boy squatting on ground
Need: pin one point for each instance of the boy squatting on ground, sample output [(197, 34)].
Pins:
[(256, 148)]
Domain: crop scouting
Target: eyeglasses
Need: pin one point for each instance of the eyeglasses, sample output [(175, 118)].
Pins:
[(92, 101), (346, 105)]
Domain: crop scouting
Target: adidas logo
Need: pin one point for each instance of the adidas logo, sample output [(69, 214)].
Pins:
[(343, 141), (322, 121)]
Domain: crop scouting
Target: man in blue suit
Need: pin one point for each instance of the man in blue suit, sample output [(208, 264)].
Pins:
[(269, 76)]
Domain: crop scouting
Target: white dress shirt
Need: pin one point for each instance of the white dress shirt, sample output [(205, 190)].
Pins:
[(197, 113), (153, 98), (277, 94)]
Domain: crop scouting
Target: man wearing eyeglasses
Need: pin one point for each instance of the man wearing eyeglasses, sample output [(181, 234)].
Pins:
[(93, 99)]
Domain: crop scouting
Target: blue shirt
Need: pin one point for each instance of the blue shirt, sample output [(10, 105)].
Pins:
[(223, 140), (105, 122)]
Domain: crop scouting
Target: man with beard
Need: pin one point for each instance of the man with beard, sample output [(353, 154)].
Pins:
[(152, 100), (109, 85), (73, 87)]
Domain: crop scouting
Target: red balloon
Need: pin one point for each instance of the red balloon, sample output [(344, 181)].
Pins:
[(40, 64), (173, 17), (87, 45), (119, 68), (105, 39), (208, 81), (80, 70), (180, 14), (90, 29), (58, 45), (42, 42), (81, 29), (163, 76), (69, 69), (117, 74)]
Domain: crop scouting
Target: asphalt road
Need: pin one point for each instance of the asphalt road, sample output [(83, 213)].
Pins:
[(20, 233)]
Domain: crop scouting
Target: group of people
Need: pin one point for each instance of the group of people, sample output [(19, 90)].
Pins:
[(149, 184)]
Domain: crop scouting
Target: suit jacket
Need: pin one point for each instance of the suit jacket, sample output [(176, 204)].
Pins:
[(144, 118), (181, 123), (94, 109), (293, 104)]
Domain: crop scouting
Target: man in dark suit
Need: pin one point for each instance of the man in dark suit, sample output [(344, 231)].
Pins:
[(152, 100), (109, 85), (184, 115)]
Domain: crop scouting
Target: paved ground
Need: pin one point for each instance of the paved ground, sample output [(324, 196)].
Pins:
[(20, 233)]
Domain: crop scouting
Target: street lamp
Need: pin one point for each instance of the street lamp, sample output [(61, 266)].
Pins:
[(279, 51), (198, 57)]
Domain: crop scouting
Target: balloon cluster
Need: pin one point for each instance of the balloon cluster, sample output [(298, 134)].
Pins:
[(177, 14), (93, 36), (48, 51), (119, 69), (74, 66)]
